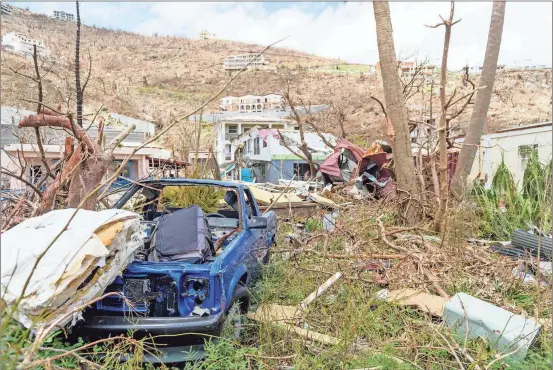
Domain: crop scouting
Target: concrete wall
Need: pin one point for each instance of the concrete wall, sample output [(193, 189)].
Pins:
[(492, 146)]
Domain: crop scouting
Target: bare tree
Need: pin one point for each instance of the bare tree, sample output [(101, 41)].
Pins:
[(395, 107), (85, 165), (482, 103), (305, 153), (442, 130), (445, 117)]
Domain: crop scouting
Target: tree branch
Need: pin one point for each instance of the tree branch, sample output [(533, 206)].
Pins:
[(290, 149), (325, 141), (119, 138), (23, 180), (40, 99)]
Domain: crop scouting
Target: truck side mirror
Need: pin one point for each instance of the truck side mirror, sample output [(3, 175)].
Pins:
[(257, 222)]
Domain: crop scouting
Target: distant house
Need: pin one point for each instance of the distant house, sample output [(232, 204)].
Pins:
[(17, 141), (251, 103), (22, 44), (63, 16), (227, 129), (5, 9), (11, 133), (204, 35), (270, 160), (515, 145), (408, 69), (146, 162), (237, 62)]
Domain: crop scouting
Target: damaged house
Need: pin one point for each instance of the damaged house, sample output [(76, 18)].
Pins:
[(268, 158)]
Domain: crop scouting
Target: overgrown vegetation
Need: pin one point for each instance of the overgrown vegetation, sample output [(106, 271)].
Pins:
[(504, 208), (207, 197)]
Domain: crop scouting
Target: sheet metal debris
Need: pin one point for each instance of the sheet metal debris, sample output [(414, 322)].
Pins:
[(504, 330)]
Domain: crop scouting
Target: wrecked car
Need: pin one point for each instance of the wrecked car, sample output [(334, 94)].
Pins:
[(193, 268)]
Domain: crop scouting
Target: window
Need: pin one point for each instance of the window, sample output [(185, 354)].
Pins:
[(5, 182), (35, 174), (227, 152), (525, 152), (246, 129), (126, 172), (264, 143), (232, 129), (256, 148), (249, 204), (300, 169)]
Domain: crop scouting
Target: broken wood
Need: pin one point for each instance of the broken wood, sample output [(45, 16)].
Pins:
[(425, 302), (320, 290)]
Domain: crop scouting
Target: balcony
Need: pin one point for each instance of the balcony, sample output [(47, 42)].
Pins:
[(230, 136)]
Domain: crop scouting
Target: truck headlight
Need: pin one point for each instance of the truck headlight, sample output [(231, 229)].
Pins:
[(197, 287)]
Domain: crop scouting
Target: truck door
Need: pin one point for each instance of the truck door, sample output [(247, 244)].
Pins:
[(258, 236)]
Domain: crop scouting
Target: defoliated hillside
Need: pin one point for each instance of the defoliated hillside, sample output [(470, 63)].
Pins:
[(159, 78)]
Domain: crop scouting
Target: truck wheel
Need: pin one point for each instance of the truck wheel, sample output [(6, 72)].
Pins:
[(239, 306)]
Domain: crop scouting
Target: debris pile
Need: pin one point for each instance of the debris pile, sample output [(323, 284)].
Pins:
[(54, 264), (468, 287)]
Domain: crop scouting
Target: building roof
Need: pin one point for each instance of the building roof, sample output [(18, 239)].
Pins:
[(254, 118), (128, 120), (268, 114), (526, 127), (157, 153), (10, 130)]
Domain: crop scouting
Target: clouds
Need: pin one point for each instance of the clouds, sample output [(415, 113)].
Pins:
[(347, 31), (340, 30)]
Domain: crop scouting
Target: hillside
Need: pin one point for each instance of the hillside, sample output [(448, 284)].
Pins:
[(157, 78)]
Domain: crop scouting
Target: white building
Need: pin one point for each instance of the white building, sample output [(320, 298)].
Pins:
[(204, 35), (251, 103), (21, 44), (516, 145), (63, 16), (5, 8), (271, 161), (237, 62), (227, 129)]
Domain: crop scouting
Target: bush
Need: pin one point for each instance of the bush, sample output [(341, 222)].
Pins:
[(504, 209)]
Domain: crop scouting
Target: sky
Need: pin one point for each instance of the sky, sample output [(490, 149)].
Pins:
[(344, 30)]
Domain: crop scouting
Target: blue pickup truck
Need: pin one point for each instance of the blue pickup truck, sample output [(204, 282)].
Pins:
[(193, 269)]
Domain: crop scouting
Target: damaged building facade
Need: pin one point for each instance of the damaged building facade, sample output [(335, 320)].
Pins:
[(24, 45), (267, 157), (20, 143), (514, 146)]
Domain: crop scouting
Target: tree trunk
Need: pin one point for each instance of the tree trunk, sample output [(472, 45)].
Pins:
[(395, 106), (482, 101), (442, 129)]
